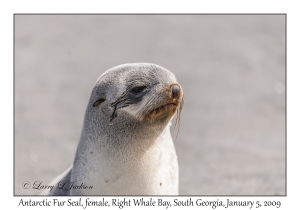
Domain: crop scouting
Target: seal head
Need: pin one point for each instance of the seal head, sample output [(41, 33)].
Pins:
[(139, 96)]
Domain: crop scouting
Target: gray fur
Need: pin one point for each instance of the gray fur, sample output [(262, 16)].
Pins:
[(120, 150)]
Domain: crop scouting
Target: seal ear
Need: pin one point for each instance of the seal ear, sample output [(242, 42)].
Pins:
[(98, 94), (98, 102)]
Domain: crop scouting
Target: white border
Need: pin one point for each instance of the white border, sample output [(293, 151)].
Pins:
[(8, 8)]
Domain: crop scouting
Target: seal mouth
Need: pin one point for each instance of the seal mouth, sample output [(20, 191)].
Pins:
[(163, 107)]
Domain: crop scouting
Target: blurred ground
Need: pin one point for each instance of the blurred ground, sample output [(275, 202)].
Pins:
[(231, 67)]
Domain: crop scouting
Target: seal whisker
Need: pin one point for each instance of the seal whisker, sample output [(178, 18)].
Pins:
[(178, 114)]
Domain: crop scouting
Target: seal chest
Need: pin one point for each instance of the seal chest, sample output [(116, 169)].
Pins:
[(125, 146)]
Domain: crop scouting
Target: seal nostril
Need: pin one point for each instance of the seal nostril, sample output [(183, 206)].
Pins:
[(175, 91)]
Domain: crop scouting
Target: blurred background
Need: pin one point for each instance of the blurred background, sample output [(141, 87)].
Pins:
[(231, 67)]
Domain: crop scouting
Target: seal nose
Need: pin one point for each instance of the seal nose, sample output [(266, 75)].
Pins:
[(175, 90)]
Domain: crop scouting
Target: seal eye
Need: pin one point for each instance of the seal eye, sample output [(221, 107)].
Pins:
[(138, 89)]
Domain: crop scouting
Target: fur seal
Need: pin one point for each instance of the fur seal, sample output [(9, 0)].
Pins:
[(126, 147)]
